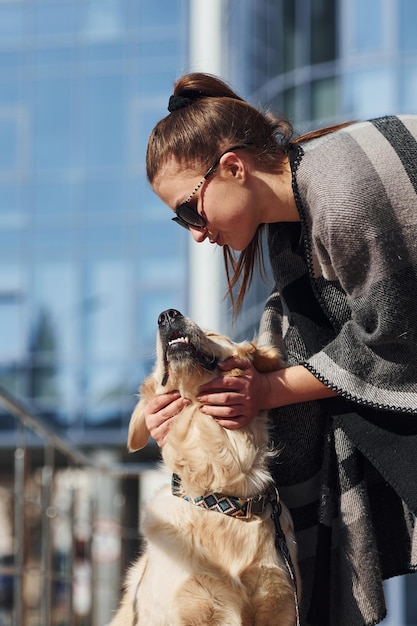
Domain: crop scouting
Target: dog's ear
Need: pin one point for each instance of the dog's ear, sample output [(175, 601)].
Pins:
[(138, 435), (267, 359)]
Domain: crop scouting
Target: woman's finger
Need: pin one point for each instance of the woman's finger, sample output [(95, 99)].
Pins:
[(236, 422), (227, 411), (221, 399), (160, 402), (160, 412)]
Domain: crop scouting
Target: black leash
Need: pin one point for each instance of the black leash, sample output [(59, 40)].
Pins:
[(282, 548)]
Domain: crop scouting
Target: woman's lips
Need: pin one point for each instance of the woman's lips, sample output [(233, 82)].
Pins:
[(215, 239)]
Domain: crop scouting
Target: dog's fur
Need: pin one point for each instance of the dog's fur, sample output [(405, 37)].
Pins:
[(200, 567)]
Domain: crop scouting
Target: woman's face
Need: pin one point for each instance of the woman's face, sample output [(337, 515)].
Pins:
[(224, 199)]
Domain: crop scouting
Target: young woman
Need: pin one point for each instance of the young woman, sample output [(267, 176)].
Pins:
[(339, 207)]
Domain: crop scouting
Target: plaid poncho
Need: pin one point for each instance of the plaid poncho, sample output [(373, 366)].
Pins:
[(345, 303)]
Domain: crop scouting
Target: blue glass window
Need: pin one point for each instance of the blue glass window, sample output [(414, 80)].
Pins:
[(104, 19), (54, 56), (53, 202), (55, 296), (324, 99), (75, 116), (13, 339), (168, 49), (162, 13), (11, 213), (107, 317), (52, 112), (104, 198), (56, 19), (409, 89), (110, 397), (104, 240), (106, 52), (67, 385), (10, 238), (146, 201), (51, 242), (145, 113), (322, 31), (368, 26), (10, 61), (362, 87), (408, 24), (11, 23), (9, 90), (150, 305), (290, 35), (106, 121), (9, 141)]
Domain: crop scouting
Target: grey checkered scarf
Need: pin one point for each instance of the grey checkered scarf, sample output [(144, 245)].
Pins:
[(345, 306)]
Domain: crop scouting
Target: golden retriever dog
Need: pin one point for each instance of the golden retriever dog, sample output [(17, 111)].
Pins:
[(212, 552)]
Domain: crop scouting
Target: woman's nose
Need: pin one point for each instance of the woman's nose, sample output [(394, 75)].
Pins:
[(198, 235)]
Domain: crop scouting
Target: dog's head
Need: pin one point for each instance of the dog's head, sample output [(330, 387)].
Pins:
[(187, 357)]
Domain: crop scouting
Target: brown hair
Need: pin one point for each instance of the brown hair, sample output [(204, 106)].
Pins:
[(215, 118)]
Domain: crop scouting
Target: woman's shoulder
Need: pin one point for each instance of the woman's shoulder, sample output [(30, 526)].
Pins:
[(385, 144), (391, 127), (351, 175)]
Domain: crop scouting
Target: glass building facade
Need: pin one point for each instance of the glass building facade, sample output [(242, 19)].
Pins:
[(88, 255), (320, 61)]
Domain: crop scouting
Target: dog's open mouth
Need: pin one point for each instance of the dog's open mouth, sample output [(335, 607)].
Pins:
[(183, 343), (180, 346), (178, 340)]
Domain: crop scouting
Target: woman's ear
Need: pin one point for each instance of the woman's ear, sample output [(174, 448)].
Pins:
[(232, 163)]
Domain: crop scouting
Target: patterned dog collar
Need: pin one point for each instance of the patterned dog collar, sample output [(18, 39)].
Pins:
[(243, 508)]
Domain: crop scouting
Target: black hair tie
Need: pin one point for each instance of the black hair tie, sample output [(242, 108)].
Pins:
[(189, 96), (179, 102)]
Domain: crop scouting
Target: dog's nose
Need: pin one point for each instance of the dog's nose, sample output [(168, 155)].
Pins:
[(166, 317)]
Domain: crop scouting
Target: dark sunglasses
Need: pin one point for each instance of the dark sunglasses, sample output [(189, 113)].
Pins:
[(188, 216)]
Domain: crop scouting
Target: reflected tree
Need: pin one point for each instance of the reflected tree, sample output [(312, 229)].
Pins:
[(43, 357)]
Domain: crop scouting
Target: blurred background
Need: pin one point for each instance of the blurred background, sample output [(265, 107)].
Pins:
[(89, 256)]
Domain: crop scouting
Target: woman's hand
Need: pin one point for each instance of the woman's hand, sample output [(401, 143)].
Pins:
[(234, 400), (159, 413)]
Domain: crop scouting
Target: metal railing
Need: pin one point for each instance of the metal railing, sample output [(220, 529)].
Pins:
[(68, 525)]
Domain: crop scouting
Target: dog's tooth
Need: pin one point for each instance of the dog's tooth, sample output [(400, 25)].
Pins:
[(178, 340)]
